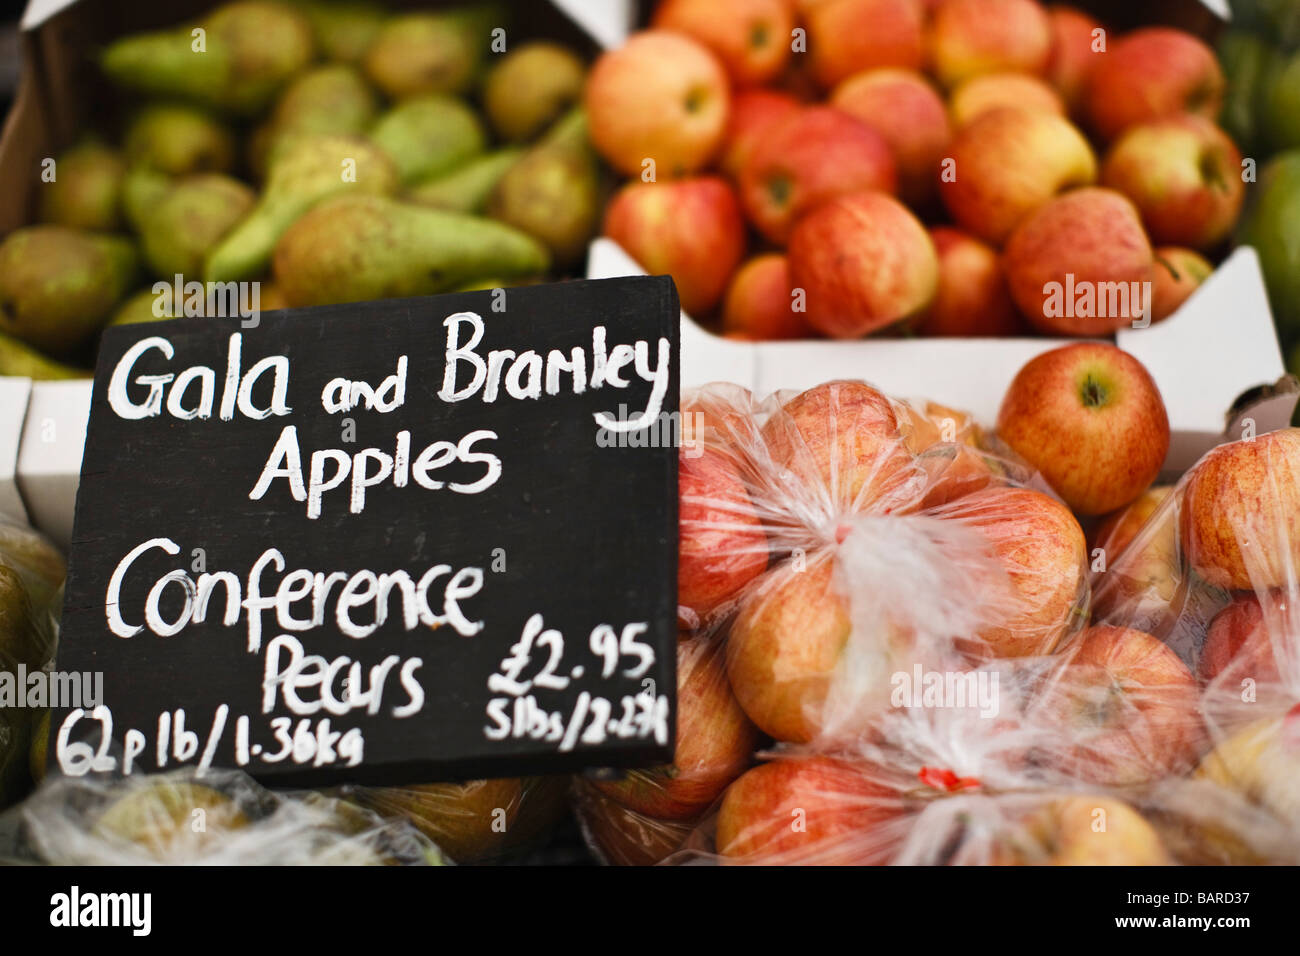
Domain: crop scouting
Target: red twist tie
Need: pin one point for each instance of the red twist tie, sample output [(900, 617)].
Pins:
[(946, 780)]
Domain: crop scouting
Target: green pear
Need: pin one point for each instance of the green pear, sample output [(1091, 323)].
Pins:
[(356, 248), (22, 637), (36, 559), (86, 191), (1272, 226), (1244, 58), (58, 285), (432, 52), (142, 190), (466, 188), (344, 29), (15, 747), (307, 170), (553, 193), (20, 360), (530, 88), (190, 220), (142, 306), (176, 139), (429, 135), (1279, 113), (495, 282), (327, 99), (1279, 20), (235, 60)]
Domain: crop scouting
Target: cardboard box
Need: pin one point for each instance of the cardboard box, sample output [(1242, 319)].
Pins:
[(59, 89)]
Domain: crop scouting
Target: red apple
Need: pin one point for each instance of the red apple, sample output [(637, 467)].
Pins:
[(973, 299), (1081, 264), (1041, 547), (1176, 275), (722, 545), (1184, 175), (1009, 162), (1241, 513), (1075, 45), (905, 109), (808, 810), (883, 269), (1261, 762), (1089, 417), (760, 301), (991, 91), (1127, 707), (753, 113), (1240, 641), (715, 742), (750, 37), (625, 837), (970, 37), (689, 229), (1150, 74), (841, 447), (849, 36), (662, 97), (815, 155)]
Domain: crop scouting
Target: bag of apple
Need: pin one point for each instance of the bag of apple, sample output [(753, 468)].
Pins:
[(1207, 571), (840, 551)]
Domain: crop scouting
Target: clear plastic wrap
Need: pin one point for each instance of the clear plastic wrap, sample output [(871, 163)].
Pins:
[(476, 821), (217, 818)]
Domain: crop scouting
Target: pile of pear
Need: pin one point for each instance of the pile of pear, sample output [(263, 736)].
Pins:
[(331, 150)]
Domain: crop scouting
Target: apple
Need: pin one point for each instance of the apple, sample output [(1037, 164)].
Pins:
[(1128, 709), (1184, 174), (753, 113), (883, 269), (1239, 644), (990, 91), (1241, 513), (661, 97), (1081, 830), (750, 37), (1261, 761), (721, 542), (720, 415), (1081, 264), (1176, 275), (1009, 162), (808, 158), (907, 111), (1149, 74), (715, 742), (760, 302), (809, 810), (849, 36), (838, 447), (972, 298), (1090, 418), (1142, 580), (971, 37), (932, 424), (624, 837), (1074, 38), (1041, 548), (477, 820), (690, 229)]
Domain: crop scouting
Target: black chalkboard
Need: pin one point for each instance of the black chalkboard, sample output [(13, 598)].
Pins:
[(525, 555)]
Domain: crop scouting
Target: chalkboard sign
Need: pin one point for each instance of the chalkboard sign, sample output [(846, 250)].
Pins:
[(391, 542)]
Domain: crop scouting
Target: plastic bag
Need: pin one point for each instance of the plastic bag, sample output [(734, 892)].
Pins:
[(1224, 545), (217, 818), (476, 821), (840, 537)]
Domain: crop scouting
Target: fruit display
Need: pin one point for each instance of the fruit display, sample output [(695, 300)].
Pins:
[(986, 168), (317, 152)]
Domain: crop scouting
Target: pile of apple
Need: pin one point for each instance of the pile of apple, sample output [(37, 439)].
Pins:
[(837, 545), (842, 167)]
